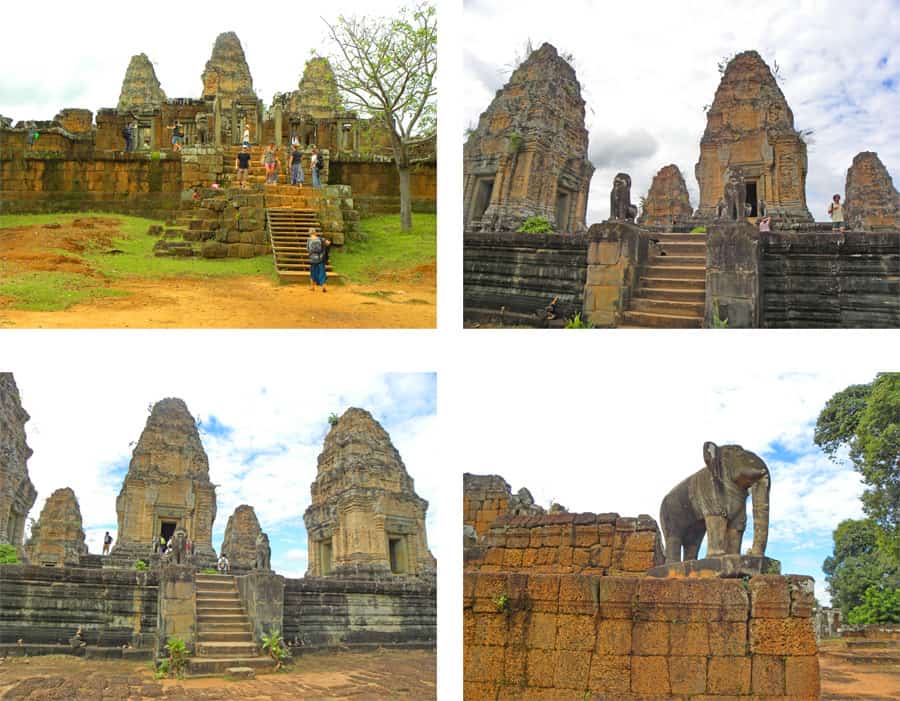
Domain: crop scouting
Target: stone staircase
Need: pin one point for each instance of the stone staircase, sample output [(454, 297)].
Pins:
[(224, 633), (671, 289), (289, 231)]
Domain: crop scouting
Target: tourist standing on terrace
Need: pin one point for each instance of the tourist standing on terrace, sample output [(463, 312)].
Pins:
[(222, 564), (765, 224), (317, 247), (107, 541), (242, 163), (270, 160), (836, 210), (128, 133), (315, 165), (177, 136), (296, 165), (246, 139)]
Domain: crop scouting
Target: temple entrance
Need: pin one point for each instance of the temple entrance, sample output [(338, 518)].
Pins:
[(484, 188), (325, 556), (562, 210), (752, 199), (167, 529), (397, 549)]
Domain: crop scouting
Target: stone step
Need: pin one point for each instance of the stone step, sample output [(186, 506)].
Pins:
[(673, 294), (228, 636), (221, 628), (203, 618), (225, 649), (208, 665), (215, 578), (661, 281), (207, 609), (222, 596), (669, 237), (690, 272), (690, 248), (667, 306), (669, 261), (657, 320)]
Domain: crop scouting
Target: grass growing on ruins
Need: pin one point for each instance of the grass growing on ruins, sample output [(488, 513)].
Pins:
[(52, 291), (385, 250)]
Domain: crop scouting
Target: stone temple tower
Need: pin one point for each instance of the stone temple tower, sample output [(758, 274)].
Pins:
[(750, 127), (365, 518), (17, 493), (167, 487), (528, 157), (57, 538)]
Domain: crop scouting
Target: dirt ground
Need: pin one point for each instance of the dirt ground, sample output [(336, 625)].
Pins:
[(407, 674), (859, 675), (244, 301)]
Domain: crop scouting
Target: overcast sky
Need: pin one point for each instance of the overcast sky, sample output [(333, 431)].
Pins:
[(618, 435), (50, 66), (648, 68), (262, 431)]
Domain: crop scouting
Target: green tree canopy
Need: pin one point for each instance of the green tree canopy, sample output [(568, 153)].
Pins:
[(866, 420)]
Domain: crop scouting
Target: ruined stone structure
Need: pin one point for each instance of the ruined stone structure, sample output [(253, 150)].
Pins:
[(17, 493), (365, 518), (667, 203), (167, 487), (872, 202), (750, 126), (560, 606), (239, 543), (57, 538), (528, 155), (488, 497), (227, 75), (141, 88)]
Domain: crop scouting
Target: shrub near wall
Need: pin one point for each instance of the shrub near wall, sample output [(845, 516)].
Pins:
[(549, 636)]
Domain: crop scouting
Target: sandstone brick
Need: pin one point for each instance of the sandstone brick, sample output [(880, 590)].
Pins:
[(468, 627), (613, 637), (565, 556), (542, 667), (578, 594), (616, 595), (490, 629), (601, 556), (586, 536), (689, 639), (610, 673), (803, 600), (542, 631), (650, 675), (581, 558), (543, 592), (479, 691), (484, 664), (788, 636), (729, 675), (769, 597), (512, 557), (515, 661), (575, 632), (573, 670), (728, 638), (802, 676), (687, 674), (767, 675), (488, 586), (637, 562), (650, 638), (529, 558)]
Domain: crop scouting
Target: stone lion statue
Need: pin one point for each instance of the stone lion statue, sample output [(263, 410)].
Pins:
[(620, 207), (263, 552)]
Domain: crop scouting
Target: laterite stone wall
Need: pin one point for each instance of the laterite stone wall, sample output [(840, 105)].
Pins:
[(534, 637)]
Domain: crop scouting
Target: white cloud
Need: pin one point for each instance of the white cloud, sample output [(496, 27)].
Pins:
[(650, 68)]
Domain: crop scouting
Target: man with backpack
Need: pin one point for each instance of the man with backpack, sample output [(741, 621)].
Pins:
[(107, 541), (317, 163), (128, 133), (317, 247)]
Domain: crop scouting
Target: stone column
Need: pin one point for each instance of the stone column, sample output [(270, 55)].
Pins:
[(733, 253), (262, 595), (217, 112), (177, 605), (614, 254), (236, 128), (277, 112)]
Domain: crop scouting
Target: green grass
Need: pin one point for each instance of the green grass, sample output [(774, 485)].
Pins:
[(54, 291), (385, 250)]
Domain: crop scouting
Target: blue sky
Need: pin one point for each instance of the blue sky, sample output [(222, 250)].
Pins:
[(262, 432), (620, 435), (648, 69)]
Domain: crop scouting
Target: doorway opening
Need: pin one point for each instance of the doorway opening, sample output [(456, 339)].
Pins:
[(167, 529), (562, 210), (751, 199), (397, 548), (325, 556), (483, 191)]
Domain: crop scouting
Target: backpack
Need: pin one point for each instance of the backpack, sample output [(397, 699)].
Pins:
[(320, 162), (315, 251)]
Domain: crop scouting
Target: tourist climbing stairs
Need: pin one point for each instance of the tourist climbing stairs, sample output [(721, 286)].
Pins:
[(289, 230), (671, 289), (224, 632)]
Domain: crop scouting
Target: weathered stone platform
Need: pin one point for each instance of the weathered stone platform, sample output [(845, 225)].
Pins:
[(725, 567)]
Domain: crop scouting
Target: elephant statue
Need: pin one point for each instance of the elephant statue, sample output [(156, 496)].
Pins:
[(713, 501)]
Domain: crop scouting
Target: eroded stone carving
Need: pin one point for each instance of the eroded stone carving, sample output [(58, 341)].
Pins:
[(528, 156), (17, 493), (667, 202), (872, 202), (713, 502), (751, 126), (365, 518), (620, 207), (57, 538), (167, 488), (263, 553), (735, 198)]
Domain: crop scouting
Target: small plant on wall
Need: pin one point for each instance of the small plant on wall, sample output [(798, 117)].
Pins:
[(535, 225), (273, 645), (178, 657), (332, 418)]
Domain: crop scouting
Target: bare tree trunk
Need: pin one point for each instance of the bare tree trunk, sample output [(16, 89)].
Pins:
[(405, 199)]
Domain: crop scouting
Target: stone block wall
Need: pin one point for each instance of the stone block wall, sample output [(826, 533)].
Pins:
[(485, 498), (831, 281), (871, 631), (177, 605), (614, 256), (262, 595), (130, 183), (542, 636), (600, 544), (376, 185), (46, 605), (508, 277), (323, 612), (201, 166)]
